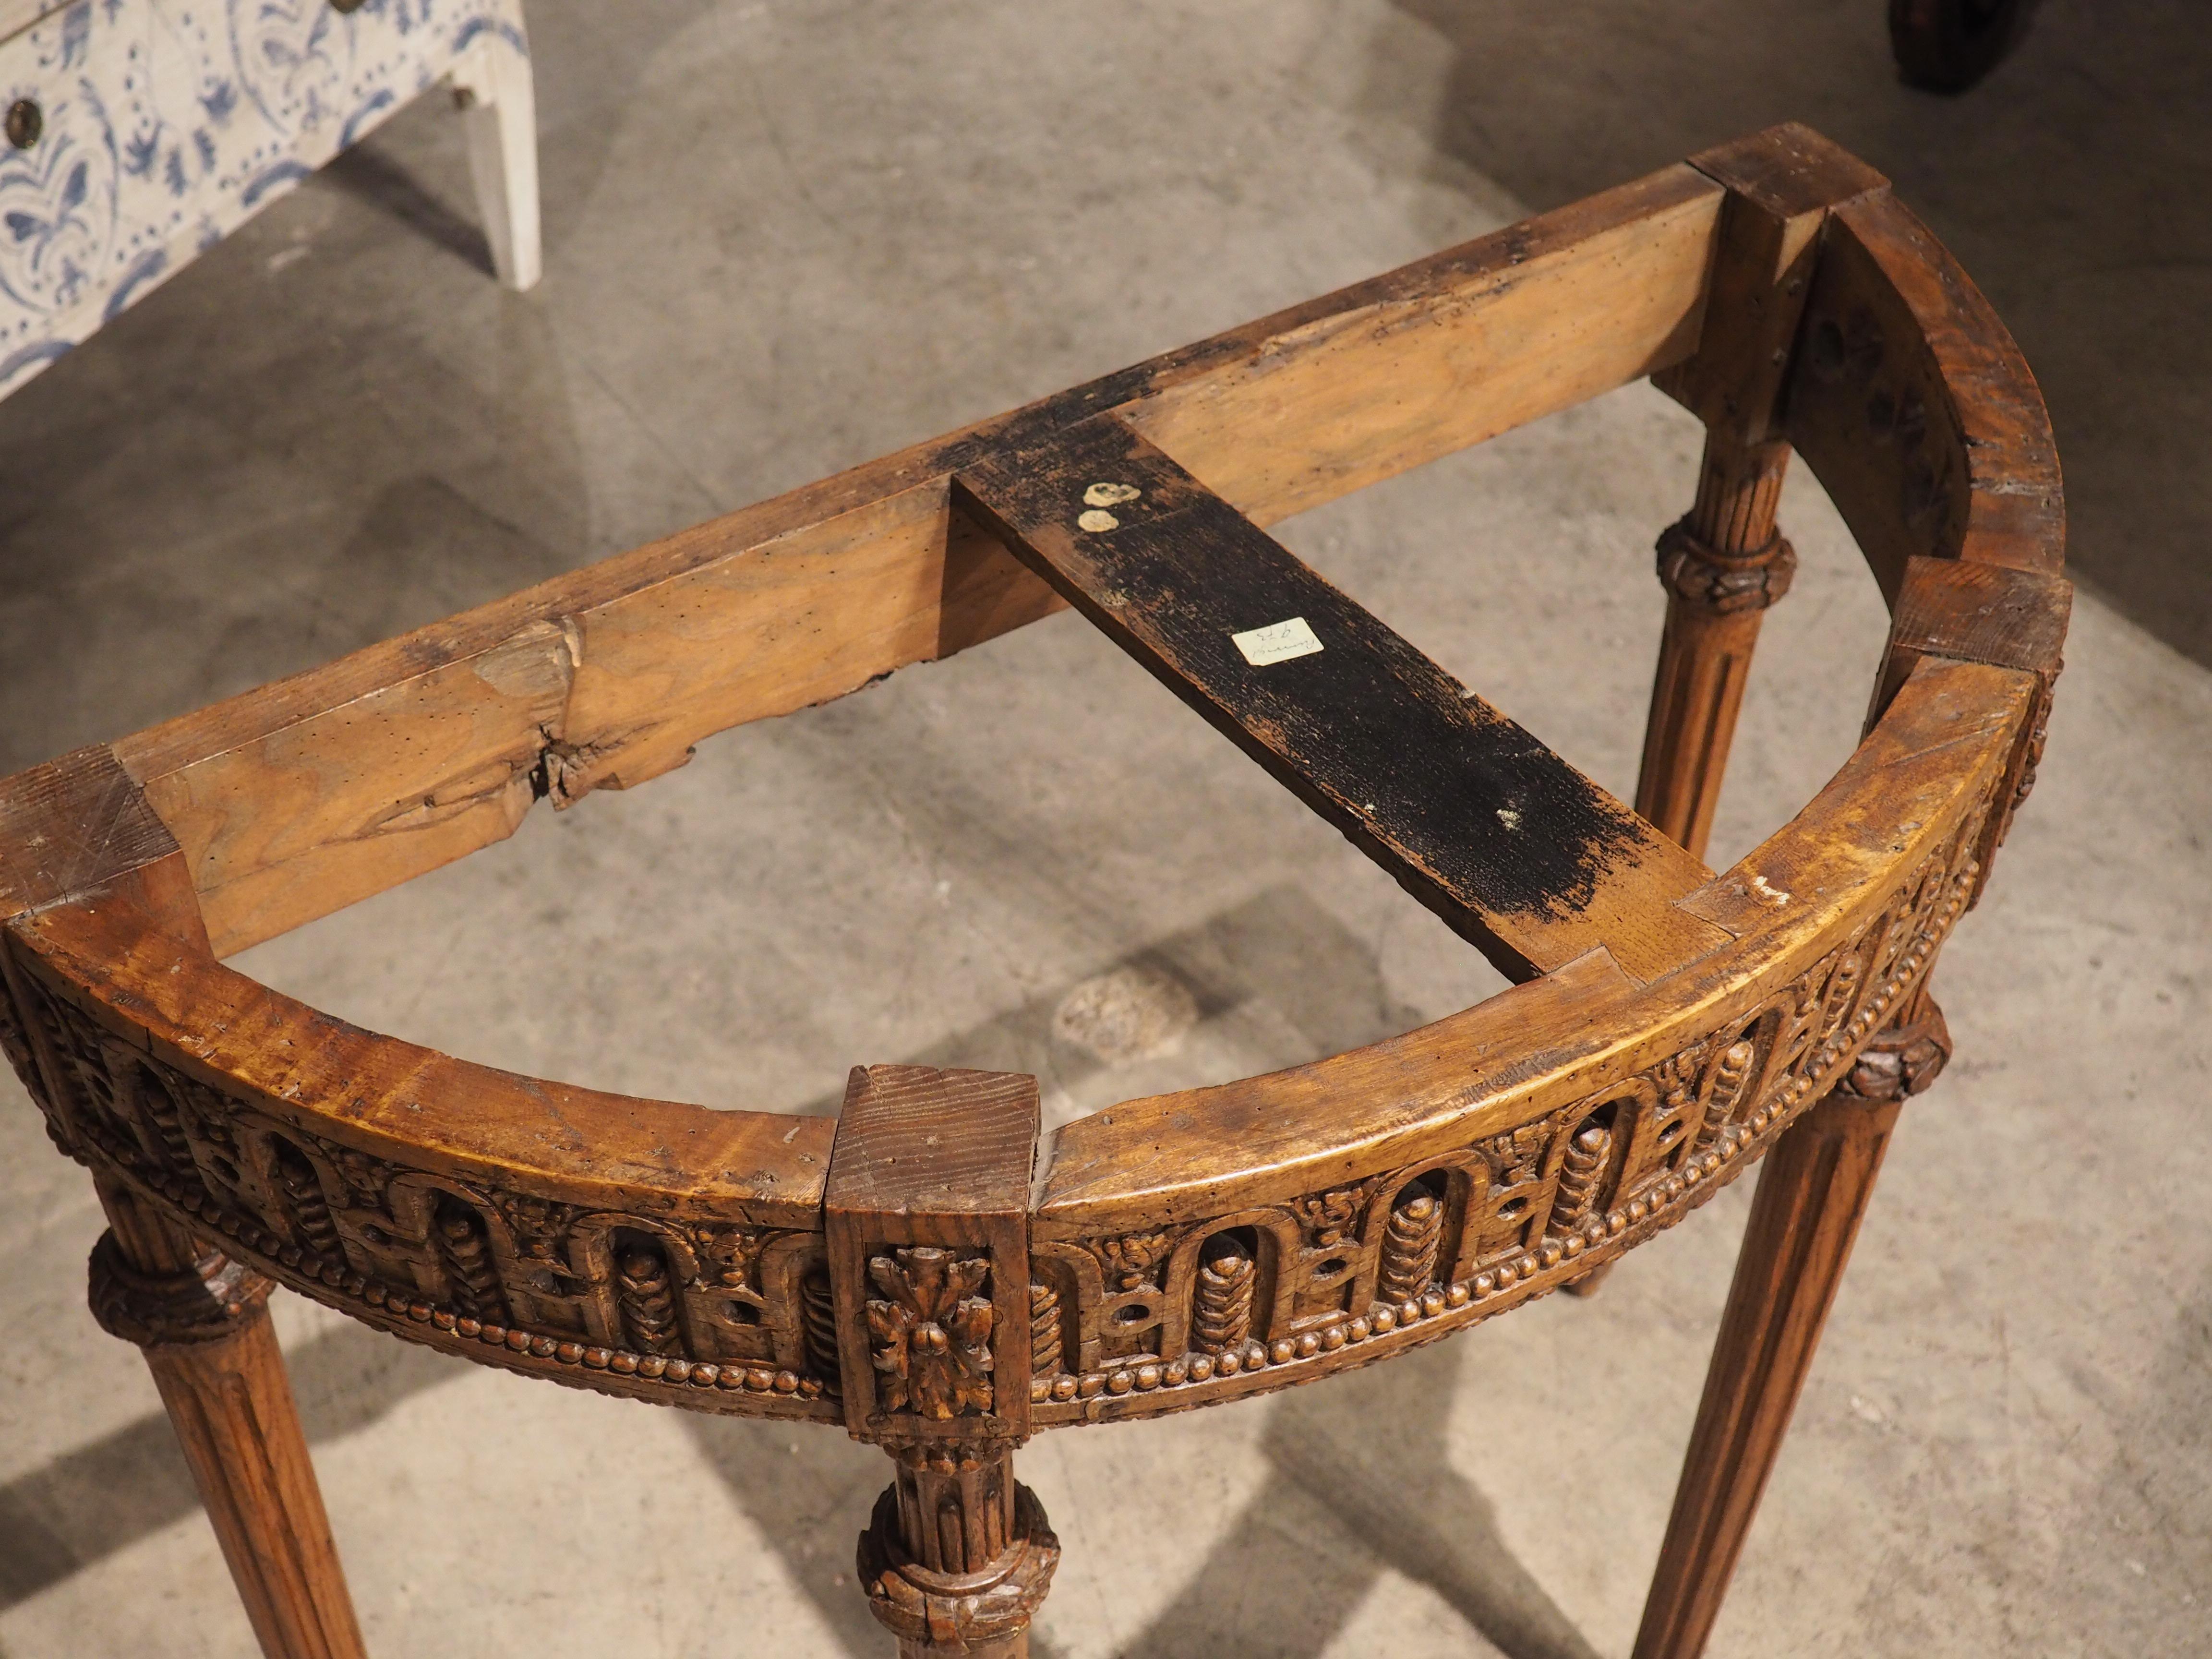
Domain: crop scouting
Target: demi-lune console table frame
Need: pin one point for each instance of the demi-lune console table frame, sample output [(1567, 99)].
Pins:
[(925, 1271)]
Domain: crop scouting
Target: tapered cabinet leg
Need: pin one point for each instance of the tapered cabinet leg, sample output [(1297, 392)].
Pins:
[(203, 1323), (499, 112), (1812, 1191)]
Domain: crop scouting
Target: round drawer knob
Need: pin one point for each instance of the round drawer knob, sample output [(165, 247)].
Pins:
[(26, 121)]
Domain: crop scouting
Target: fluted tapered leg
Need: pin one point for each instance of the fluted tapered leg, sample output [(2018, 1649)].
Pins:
[(1721, 567), (1813, 1192), (203, 1322), (959, 1557)]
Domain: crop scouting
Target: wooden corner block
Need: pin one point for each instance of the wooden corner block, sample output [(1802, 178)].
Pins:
[(926, 1212), (1781, 184), (1986, 613), (1789, 170), (81, 823), (1964, 612)]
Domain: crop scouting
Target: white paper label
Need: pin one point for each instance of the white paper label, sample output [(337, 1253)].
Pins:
[(1276, 642)]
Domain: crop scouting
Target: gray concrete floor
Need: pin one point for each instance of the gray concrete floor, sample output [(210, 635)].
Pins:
[(783, 237)]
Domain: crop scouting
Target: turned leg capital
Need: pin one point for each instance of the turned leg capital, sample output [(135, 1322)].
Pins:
[(213, 1298), (1722, 581), (202, 1322), (1903, 1058), (957, 1556)]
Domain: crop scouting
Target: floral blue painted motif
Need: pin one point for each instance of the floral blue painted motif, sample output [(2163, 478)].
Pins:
[(166, 123)]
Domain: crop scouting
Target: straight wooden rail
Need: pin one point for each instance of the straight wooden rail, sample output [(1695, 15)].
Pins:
[(1519, 853)]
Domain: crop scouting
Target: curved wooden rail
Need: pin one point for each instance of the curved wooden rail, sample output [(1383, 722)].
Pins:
[(1185, 1248)]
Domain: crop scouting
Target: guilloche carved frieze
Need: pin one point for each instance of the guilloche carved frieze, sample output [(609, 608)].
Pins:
[(705, 1312), (726, 1316), (1410, 1255)]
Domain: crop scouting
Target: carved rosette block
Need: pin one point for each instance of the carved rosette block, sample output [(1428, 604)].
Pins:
[(925, 1224), (929, 1339), (926, 1214)]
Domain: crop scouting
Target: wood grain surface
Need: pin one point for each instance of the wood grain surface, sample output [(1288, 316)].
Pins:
[(607, 676)]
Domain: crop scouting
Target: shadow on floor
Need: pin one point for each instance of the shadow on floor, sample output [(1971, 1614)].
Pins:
[(368, 175), (1277, 980), (1363, 1482), (1375, 1502), (1344, 1504), (103, 1497)]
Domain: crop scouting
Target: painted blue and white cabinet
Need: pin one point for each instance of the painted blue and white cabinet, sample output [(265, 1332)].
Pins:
[(136, 133)]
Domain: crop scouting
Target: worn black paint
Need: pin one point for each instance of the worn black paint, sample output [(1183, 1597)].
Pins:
[(1369, 732)]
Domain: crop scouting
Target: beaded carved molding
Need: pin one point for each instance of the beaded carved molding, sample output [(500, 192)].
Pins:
[(726, 1315)]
